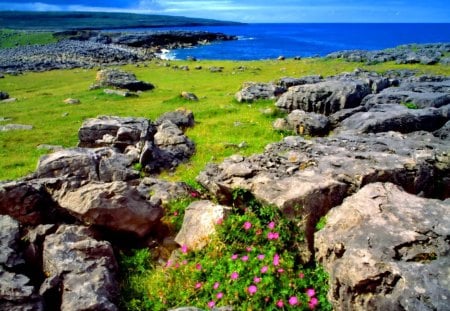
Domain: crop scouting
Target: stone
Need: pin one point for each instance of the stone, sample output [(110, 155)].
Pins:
[(124, 131), (3, 95), (252, 91), (443, 132), (287, 82), (9, 242), (157, 190), (199, 223), (80, 269), (394, 117), (120, 93), (281, 57), (181, 117), (49, 147), (189, 96), (308, 123), (72, 101), (215, 69), (386, 249), (8, 100), (15, 127), (26, 202), (120, 79), (114, 166), (116, 206), (324, 97)]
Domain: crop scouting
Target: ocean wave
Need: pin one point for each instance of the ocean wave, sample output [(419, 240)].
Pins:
[(244, 38)]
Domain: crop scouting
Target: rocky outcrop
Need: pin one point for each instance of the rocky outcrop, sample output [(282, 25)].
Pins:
[(324, 97), (252, 91), (287, 82), (304, 123), (199, 224), (72, 259), (182, 118), (385, 249), (120, 79), (427, 54)]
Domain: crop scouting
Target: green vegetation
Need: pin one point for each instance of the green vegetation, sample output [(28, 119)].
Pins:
[(57, 21), (12, 38), (321, 223), (221, 122), (410, 105), (251, 264)]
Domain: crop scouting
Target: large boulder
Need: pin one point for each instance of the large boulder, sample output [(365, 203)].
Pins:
[(3, 95), (325, 97), (114, 131), (308, 123), (252, 91), (116, 206), (81, 271), (120, 79), (385, 249), (394, 117), (199, 224), (182, 118)]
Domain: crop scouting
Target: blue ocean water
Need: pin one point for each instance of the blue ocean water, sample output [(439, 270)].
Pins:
[(264, 41)]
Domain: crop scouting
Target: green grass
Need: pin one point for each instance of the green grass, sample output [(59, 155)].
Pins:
[(221, 121), (13, 38)]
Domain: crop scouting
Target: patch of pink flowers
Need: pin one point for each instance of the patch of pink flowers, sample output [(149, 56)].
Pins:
[(234, 256), (252, 289), (273, 235), (264, 269), (234, 275), (271, 225), (247, 225), (244, 258), (276, 260), (219, 295), (293, 300), (211, 304), (216, 285), (256, 279), (313, 303), (280, 303), (261, 256), (184, 249)]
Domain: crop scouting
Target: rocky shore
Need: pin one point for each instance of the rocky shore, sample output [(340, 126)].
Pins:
[(88, 49)]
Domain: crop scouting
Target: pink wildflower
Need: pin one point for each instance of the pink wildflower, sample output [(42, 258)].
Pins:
[(184, 262), (264, 269), (252, 289), (216, 285), (219, 295), (301, 275), (249, 249), (313, 303), (261, 256), (273, 235), (198, 267), (234, 275), (234, 256), (198, 285), (244, 258), (256, 279), (247, 225), (184, 249), (271, 225), (211, 304), (293, 301), (175, 213), (276, 260), (281, 270), (280, 303), (169, 263), (219, 221), (310, 292)]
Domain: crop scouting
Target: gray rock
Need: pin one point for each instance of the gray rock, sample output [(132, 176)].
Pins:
[(182, 118), (9, 240), (386, 249), (15, 127), (124, 131), (82, 269), (3, 95), (324, 97), (114, 166), (189, 96), (287, 82), (157, 190), (252, 91), (393, 117), (26, 202), (72, 101), (116, 206), (215, 69), (199, 224), (308, 123), (443, 132), (120, 79), (120, 93), (305, 178)]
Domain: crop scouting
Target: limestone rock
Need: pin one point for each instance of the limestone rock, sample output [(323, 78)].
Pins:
[(120, 79), (157, 190), (81, 270), (119, 93), (181, 117), (199, 223), (3, 95), (287, 82), (72, 101), (308, 123), (116, 206), (443, 132), (324, 97), (9, 239), (386, 249), (15, 127), (189, 96), (252, 91)]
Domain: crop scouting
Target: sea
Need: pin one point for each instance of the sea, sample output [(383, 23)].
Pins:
[(268, 41)]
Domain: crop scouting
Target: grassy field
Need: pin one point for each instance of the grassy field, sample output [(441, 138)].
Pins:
[(220, 120), (13, 38)]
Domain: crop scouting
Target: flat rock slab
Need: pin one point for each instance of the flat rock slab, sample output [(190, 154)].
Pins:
[(15, 127), (386, 249)]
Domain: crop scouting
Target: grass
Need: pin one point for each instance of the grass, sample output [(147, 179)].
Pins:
[(13, 38), (221, 122)]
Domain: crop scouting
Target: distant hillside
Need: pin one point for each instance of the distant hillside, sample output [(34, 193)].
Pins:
[(55, 21)]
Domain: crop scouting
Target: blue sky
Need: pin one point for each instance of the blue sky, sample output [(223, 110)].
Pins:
[(298, 11)]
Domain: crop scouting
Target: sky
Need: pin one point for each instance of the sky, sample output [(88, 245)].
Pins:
[(257, 11)]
